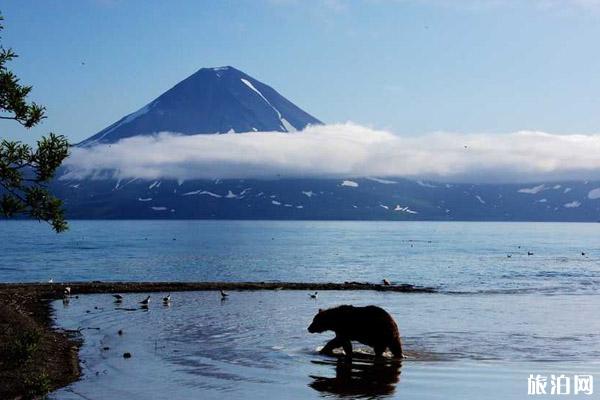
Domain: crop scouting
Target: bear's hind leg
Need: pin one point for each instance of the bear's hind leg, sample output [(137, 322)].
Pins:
[(396, 348), (379, 350)]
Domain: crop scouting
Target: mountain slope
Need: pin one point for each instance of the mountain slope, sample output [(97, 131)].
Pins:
[(221, 100), (330, 199), (212, 100)]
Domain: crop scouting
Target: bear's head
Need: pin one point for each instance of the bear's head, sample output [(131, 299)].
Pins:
[(321, 322)]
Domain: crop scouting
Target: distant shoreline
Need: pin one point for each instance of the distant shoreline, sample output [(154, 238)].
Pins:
[(50, 358)]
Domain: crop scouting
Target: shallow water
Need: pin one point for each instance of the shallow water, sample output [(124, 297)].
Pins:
[(495, 320), (453, 256), (256, 344)]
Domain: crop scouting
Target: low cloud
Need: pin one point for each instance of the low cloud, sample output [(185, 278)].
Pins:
[(344, 150)]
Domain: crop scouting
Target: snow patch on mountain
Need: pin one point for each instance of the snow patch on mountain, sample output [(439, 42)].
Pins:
[(405, 209), (425, 184), (349, 184), (154, 184), (202, 192), (284, 122), (382, 181), (129, 118), (288, 127), (594, 194), (533, 190), (231, 195)]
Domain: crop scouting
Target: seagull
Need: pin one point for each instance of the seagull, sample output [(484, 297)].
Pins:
[(530, 253), (224, 294), (50, 280), (118, 298), (167, 300), (67, 291), (386, 282), (145, 302), (314, 295), (509, 255)]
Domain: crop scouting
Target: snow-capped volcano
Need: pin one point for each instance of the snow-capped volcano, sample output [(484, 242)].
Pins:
[(212, 100), (224, 99)]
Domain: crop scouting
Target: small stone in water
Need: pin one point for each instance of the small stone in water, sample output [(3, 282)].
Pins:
[(127, 355)]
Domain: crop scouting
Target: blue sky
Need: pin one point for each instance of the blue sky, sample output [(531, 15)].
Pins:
[(408, 66)]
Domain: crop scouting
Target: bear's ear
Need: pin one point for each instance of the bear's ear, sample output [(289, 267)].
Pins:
[(320, 310)]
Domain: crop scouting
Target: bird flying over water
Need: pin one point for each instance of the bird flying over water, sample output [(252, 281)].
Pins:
[(167, 299), (224, 294), (314, 295), (118, 298), (67, 291)]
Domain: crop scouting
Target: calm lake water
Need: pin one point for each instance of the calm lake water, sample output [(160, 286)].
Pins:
[(451, 256), (495, 320)]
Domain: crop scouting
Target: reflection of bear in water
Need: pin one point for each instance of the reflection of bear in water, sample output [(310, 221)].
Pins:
[(360, 379), (369, 325)]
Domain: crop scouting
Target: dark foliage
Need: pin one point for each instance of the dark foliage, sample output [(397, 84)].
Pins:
[(25, 172)]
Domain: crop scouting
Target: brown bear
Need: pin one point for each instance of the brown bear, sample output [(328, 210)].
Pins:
[(369, 325)]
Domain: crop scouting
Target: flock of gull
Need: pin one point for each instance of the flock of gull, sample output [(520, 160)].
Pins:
[(145, 303)]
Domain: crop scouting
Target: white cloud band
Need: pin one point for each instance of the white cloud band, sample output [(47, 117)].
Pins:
[(345, 150)]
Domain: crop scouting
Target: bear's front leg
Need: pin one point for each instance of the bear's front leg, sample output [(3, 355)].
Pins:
[(331, 345), (347, 344)]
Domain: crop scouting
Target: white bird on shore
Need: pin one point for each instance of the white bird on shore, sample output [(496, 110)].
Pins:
[(224, 294), (118, 298), (50, 280), (314, 295), (386, 282), (167, 299), (145, 302)]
